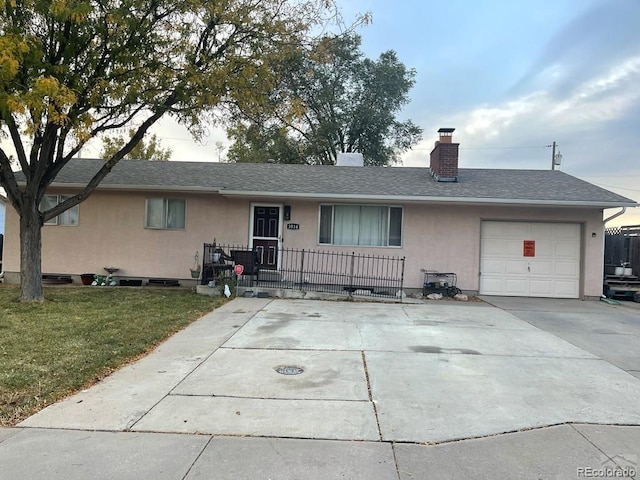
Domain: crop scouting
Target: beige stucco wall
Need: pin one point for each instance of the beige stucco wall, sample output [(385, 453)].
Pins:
[(110, 232), (446, 238)]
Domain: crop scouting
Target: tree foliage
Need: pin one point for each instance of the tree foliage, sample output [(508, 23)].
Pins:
[(329, 98), (147, 149), (71, 70)]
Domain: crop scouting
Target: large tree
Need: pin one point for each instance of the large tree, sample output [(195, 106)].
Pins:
[(71, 70), (329, 98)]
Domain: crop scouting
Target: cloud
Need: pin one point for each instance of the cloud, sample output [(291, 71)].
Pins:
[(593, 105), (601, 37), (489, 122), (602, 98)]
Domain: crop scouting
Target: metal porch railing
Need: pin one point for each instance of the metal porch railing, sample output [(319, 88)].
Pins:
[(312, 270)]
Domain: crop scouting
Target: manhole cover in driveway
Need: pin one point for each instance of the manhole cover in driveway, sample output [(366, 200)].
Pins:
[(289, 370)]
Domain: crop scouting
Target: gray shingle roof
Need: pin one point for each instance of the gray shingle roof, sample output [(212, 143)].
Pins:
[(402, 183)]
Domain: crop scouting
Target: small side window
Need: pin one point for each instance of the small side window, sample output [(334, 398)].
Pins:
[(166, 213), (68, 217)]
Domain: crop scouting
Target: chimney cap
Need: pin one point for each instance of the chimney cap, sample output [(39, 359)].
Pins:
[(446, 130)]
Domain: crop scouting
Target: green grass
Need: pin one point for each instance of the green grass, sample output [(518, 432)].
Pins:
[(80, 335)]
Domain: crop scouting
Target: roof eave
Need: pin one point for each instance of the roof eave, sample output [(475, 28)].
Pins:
[(428, 199), (139, 188)]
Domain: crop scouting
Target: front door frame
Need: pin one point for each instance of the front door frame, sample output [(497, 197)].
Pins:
[(280, 207)]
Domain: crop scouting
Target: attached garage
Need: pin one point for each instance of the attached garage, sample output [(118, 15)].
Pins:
[(529, 259)]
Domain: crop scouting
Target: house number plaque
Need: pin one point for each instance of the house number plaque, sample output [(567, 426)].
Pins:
[(293, 226)]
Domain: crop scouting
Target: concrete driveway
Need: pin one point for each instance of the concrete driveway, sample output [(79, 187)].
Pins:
[(391, 377), (611, 332)]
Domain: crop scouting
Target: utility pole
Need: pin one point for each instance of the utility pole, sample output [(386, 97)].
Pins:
[(556, 158)]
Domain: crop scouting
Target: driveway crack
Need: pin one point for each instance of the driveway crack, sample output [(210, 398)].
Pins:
[(373, 402)]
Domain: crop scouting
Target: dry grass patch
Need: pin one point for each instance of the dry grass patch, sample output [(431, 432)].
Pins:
[(78, 336)]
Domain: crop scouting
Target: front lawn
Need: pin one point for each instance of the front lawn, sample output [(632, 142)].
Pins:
[(80, 335)]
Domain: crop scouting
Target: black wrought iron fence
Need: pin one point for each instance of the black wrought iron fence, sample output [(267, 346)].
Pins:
[(341, 272), (310, 270)]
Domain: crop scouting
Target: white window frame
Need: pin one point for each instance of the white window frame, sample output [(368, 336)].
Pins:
[(389, 207), (165, 215), (59, 198)]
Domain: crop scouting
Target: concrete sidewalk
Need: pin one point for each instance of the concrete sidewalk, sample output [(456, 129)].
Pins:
[(387, 391), (560, 452)]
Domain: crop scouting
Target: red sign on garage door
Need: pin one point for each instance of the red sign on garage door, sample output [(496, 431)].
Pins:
[(529, 248)]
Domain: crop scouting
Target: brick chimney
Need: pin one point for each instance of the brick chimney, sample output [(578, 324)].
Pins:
[(444, 157)]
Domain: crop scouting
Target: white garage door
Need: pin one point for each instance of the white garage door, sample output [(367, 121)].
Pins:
[(530, 259)]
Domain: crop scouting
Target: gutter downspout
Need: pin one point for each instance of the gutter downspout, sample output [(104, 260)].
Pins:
[(615, 215)]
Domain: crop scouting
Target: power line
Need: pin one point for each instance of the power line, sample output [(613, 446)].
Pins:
[(609, 176), (491, 148), (504, 148), (162, 137), (613, 186)]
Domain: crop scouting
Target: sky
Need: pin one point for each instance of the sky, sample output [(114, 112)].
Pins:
[(514, 76), (511, 77)]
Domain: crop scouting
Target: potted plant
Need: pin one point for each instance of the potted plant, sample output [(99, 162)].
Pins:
[(195, 272)]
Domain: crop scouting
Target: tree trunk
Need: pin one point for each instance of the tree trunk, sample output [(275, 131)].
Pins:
[(30, 254)]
